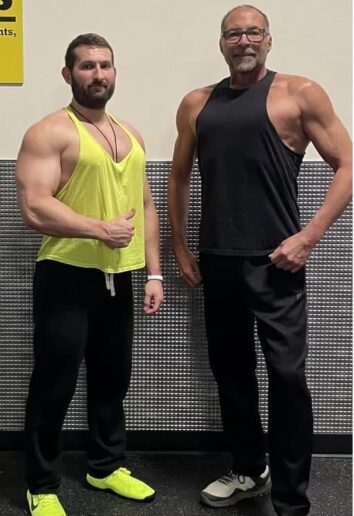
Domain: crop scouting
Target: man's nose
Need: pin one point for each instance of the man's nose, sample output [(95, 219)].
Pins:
[(98, 72), (243, 40)]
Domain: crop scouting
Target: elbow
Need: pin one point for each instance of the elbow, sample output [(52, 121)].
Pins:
[(31, 210), (30, 217), (30, 220)]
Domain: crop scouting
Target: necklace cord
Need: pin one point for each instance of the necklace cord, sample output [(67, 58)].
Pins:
[(114, 137), (115, 151)]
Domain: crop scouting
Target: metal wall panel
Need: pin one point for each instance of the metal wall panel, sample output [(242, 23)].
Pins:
[(172, 387)]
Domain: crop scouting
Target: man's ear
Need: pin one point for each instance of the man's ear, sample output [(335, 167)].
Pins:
[(66, 73), (270, 42), (220, 47)]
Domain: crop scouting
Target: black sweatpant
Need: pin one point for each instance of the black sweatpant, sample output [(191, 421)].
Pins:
[(239, 291), (76, 317)]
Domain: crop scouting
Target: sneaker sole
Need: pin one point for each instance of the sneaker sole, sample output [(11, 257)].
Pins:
[(108, 490), (235, 498)]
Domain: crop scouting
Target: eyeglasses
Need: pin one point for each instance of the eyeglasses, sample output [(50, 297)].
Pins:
[(253, 35)]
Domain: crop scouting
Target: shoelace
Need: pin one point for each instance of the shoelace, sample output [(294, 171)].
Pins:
[(121, 470), (230, 477), (47, 500)]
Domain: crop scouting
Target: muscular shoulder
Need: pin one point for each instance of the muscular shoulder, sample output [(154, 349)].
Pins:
[(196, 98), (191, 105), (53, 131), (306, 91)]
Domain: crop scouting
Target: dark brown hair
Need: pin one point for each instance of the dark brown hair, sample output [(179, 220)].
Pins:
[(90, 40)]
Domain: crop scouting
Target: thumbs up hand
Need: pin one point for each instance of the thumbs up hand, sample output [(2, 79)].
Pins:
[(120, 231)]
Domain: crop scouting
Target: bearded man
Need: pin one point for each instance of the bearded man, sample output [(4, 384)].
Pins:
[(81, 183)]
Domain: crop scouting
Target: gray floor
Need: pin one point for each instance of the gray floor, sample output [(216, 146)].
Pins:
[(178, 478)]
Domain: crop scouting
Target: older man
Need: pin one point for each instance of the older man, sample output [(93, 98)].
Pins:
[(250, 132)]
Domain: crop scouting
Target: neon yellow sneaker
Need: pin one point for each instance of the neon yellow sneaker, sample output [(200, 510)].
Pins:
[(45, 505), (122, 483)]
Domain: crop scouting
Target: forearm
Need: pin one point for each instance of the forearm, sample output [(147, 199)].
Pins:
[(337, 199), (51, 217), (152, 240), (178, 208)]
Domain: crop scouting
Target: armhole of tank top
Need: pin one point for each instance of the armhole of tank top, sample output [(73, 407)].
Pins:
[(207, 100), (72, 118), (286, 148), (290, 151), (293, 153)]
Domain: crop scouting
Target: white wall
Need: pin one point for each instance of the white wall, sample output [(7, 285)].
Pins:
[(164, 49)]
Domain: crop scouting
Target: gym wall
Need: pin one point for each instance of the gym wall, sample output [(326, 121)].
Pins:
[(163, 50)]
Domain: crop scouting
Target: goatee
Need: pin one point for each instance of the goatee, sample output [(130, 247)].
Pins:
[(88, 98)]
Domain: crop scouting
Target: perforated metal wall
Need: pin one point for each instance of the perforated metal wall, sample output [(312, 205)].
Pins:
[(172, 387)]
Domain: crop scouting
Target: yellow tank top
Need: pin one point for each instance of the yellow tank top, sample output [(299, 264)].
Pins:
[(101, 189)]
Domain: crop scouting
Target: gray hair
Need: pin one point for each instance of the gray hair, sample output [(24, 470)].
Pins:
[(245, 6)]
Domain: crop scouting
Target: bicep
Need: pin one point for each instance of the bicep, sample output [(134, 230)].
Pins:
[(324, 129), (38, 169), (184, 149)]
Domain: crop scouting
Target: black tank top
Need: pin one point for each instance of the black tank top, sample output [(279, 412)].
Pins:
[(249, 176)]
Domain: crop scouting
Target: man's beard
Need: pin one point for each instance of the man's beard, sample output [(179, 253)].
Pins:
[(88, 98), (246, 66)]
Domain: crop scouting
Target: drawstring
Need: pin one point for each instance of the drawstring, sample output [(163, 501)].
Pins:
[(110, 283)]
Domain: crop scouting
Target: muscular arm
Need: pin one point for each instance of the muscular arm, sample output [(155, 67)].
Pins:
[(179, 191), (332, 141), (327, 133), (153, 289), (38, 178), (152, 233)]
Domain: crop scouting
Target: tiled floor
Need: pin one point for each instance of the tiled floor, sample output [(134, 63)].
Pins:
[(178, 478)]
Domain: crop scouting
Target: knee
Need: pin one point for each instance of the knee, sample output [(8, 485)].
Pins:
[(59, 347), (287, 377)]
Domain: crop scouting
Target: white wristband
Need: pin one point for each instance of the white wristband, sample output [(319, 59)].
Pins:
[(155, 276)]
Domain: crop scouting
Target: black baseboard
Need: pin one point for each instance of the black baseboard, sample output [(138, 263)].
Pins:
[(177, 441)]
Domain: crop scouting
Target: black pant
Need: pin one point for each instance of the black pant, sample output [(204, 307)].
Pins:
[(76, 317), (239, 291)]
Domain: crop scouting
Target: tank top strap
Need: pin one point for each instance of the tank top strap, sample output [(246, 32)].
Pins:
[(133, 138), (73, 117), (78, 124)]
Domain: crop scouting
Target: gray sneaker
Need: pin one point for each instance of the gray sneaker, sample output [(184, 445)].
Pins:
[(231, 488)]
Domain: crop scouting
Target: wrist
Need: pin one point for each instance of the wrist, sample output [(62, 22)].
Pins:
[(158, 277), (179, 244), (312, 234), (101, 230)]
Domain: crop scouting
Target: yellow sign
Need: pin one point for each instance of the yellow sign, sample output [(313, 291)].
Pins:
[(11, 42)]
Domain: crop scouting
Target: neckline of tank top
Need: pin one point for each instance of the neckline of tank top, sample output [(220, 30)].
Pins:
[(86, 119), (226, 82), (130, 136)]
